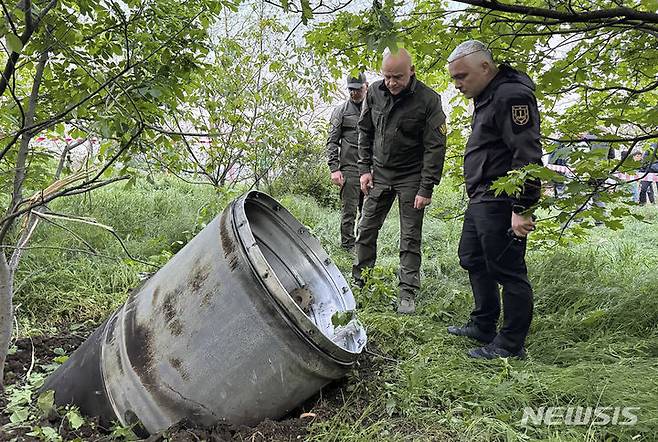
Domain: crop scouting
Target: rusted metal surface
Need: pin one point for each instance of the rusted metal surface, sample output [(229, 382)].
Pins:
[(236, 326)]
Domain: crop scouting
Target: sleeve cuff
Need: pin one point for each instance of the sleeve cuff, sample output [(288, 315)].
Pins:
[(425, 192)]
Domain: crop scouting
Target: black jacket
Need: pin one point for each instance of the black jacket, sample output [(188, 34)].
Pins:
[(403, 136), (505, 137)]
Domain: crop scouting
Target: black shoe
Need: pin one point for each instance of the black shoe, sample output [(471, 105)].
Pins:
[(359, 283), (471, 331), (491, 351)]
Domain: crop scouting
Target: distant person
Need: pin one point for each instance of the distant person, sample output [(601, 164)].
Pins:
[(559, 157), (635, 190), (505, 136), (646, 186), (343, 155), (402, 144)]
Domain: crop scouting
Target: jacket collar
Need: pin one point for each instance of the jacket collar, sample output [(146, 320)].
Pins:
[(506, 74), (487, 94)]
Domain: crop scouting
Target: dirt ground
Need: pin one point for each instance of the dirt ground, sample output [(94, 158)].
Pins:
[(38, 351)]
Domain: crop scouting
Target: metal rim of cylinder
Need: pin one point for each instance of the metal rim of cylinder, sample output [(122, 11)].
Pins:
[(264, 272)]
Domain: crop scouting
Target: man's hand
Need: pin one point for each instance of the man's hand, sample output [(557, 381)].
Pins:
[(522, 224), (421, 202), (337, 178), (366, 183)]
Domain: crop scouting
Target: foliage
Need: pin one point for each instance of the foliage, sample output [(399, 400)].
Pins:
[(595, 65), (255, 101), (306, 174)]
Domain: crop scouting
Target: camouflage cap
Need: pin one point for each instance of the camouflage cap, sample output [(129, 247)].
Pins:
[(355, 82)]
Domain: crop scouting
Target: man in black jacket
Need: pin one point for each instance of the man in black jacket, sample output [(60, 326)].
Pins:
[(505, 136), (401, 151)]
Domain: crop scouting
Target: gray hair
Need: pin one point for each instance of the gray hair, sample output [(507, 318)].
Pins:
[(470, 47)]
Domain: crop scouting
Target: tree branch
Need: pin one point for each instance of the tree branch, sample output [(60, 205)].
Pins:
[(572, 17), (10, 66), (9, 19), (20, 172), (41, 125)]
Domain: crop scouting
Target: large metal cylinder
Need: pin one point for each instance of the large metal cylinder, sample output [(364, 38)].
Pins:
[(236, 326)]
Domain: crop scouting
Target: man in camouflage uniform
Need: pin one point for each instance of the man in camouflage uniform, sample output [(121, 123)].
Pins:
[(401, 152), (342, 157)]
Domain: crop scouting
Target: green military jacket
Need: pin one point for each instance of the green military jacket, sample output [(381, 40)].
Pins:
[(342, 143), (403, 138)]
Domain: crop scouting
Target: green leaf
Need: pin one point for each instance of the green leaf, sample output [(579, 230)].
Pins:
[(593, 318), (19, 415), (14, 44), (155, 92), (131, 182), (50, 434), (46, 402), (342, 318), (74, 418), (390, 406), (307, 12), (61, 359)]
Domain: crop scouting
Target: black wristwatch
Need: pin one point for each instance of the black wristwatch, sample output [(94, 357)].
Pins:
[(518, 209)]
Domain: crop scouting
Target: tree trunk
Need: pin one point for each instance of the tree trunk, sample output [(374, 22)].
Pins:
[(6, 313), (7, 268)]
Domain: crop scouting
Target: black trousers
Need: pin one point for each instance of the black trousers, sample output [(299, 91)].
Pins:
[(646, 190), (493, 257)]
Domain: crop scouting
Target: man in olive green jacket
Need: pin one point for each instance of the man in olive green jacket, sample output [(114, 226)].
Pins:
[(401, 151), (342, 156)]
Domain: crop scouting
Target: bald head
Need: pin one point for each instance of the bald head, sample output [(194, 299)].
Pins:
[(471, 67), (397, 69), (400, 56)]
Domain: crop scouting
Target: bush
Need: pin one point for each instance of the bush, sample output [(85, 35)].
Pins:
[(310, 177)]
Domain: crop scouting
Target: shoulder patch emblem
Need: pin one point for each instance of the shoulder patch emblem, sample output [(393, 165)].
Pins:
[(520, 114), (443, 129)]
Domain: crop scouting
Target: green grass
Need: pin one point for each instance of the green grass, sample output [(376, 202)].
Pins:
[(57, 284), (593, 342)]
